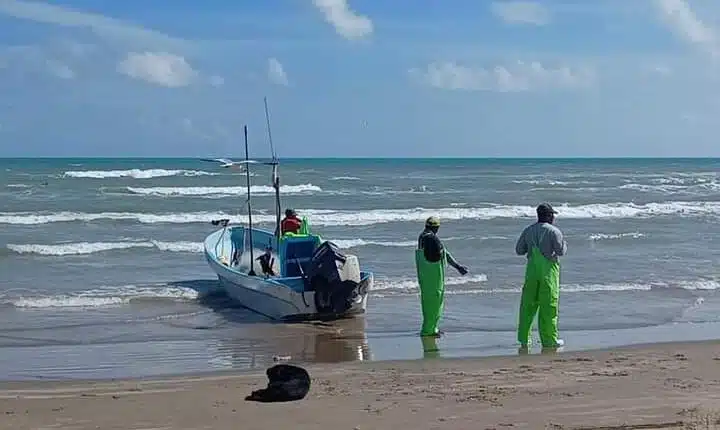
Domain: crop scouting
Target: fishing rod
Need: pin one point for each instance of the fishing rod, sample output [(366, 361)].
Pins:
[(275, 176), (247, 174)]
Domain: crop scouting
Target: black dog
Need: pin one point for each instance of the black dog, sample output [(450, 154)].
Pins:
[(286, 383)]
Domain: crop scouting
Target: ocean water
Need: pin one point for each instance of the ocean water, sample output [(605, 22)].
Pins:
[(102, 272)]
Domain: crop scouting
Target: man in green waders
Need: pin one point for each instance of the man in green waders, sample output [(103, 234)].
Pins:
[(543, 243), (430, 259)]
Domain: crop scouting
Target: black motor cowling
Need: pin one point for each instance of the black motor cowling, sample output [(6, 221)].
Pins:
[(335, 278)]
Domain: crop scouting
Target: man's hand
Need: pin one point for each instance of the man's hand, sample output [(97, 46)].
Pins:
[(462, 269)]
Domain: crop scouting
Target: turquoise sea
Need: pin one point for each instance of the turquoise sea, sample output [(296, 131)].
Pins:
[(102, 274)]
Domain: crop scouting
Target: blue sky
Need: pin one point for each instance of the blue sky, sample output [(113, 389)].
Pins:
[(376, 78)]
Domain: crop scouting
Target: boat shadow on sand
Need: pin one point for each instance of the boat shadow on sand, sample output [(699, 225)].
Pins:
[(311, 340)]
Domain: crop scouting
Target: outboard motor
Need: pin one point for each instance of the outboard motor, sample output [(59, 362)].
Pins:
[(335, 278)]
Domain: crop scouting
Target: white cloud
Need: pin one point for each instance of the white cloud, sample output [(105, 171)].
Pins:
[(690, 117), (77, 49), (60, 70), (216, 80), (347, 22), (519, 77), (33, 59), (158, 68), (521, 12), (107, 28), (662, 70), (681, 19), (276, 73)]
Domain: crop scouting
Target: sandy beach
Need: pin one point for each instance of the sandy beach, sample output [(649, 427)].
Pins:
[(672, 385)]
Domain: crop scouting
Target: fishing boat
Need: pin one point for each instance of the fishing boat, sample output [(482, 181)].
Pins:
[(291, 276)]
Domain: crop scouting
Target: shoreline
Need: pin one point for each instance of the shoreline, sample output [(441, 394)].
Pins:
[(658, 385), (359, 365), (346, 345)]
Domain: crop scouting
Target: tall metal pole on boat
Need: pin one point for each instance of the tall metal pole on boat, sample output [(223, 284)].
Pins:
[(247, 174), (275, 176)]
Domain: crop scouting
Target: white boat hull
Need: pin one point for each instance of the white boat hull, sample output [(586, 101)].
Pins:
[(276, 298)]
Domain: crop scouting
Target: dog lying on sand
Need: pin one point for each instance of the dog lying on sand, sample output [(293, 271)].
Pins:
[(286, 383)]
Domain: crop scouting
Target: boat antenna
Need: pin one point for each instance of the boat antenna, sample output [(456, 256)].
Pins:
[(267, 120), (275, 176), (249, 206)]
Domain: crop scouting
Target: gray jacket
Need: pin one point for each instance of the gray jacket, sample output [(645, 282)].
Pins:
[(546, 237)]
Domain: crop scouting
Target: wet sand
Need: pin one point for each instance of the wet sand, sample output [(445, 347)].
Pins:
[(674, 385)]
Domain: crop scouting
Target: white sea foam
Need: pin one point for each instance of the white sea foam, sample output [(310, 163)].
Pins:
[(356, 243), (455, 285), (409, 284), (543, 182), (344, 178), (190, 247), (381, 191), (377, 216), (686, 178), (609, 210), (704, 188), (459, 285), (134, 173), (84, 248), (25, 218), (229, 191), (100, 297), (608, 236)]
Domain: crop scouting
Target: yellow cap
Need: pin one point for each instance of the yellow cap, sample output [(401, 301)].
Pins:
[(432, 222)]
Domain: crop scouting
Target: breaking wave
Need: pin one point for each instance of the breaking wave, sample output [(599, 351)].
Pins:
[(455, 285), (85, 248), (100, 297), (697, 188), (605, 236), (378, 216), (222, 191), (409, 284), (462, 285), (541, 182), (134, 173), (356, 243)]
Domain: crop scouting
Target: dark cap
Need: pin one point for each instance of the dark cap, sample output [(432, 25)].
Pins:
[(544, 209)]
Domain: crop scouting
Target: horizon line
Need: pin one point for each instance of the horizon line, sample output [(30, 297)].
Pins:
[(130, 157)]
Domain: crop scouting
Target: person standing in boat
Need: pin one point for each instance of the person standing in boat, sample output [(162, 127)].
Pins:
[(430, 260)]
